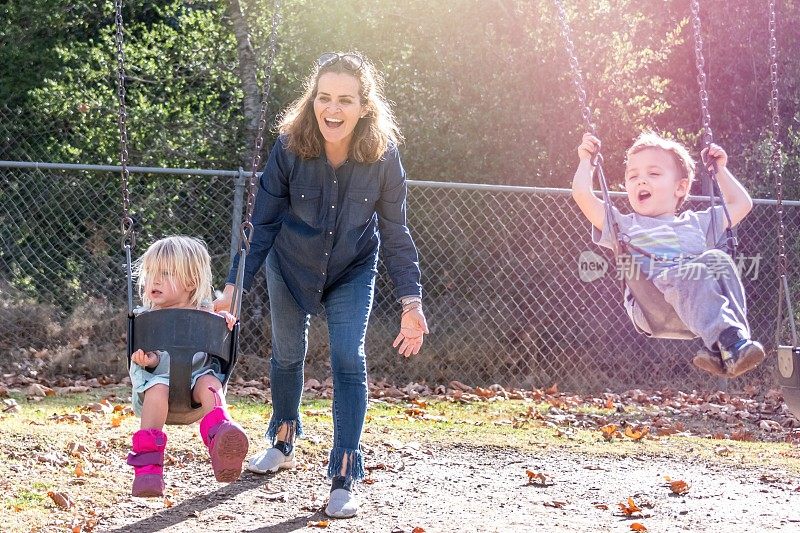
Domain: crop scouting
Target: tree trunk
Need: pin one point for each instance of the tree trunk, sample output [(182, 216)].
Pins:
[(248, 77)]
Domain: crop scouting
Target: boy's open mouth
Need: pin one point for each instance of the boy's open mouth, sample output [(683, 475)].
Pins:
[(644, 195), (333, 123)]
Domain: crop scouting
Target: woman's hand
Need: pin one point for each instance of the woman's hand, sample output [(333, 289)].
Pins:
[(145, 359), (229, 319), (223, 303), (412, 328)]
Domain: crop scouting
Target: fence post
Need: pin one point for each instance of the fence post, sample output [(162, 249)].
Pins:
[(236, 213)]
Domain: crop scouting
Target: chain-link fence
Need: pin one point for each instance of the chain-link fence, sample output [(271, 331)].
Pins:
[(504, 294)]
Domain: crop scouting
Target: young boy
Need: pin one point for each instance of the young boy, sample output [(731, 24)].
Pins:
[(676, 251)]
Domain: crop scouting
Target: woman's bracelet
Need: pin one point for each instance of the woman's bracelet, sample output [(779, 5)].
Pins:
[(411, 306)]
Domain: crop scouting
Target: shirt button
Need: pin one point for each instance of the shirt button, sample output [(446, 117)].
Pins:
[(323, 273), (333, 207), (330, 233), (302, 196), (326, 253), (365, 199), (319, 290), (334, 181)]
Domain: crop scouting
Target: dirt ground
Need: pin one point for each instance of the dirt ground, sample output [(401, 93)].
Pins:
[(467, 488), (455, 462)]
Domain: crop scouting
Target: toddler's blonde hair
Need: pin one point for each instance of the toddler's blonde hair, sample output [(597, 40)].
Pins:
[(187, 261)]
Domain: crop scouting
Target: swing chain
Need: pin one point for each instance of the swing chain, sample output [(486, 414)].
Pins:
[(775, 135), (577, 77), (128, 234), (246, 229), (708, 136)]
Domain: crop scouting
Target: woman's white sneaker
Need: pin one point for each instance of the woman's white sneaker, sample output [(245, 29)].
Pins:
[(342, 504), (270, 461)]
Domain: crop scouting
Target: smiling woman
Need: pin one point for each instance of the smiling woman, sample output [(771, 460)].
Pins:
[(332, 191)]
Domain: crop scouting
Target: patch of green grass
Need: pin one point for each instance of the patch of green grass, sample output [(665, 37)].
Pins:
[(25, 499), (492, 423)]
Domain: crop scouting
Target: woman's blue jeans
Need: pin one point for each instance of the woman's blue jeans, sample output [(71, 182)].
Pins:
[(347, 307)]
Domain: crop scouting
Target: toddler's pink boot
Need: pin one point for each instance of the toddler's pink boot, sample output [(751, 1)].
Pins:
[(226, 442), (147, 460)]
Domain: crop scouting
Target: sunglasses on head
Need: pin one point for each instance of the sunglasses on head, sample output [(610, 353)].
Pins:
[(350, 61)]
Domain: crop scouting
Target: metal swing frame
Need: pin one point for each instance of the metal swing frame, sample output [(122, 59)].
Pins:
[(788, 367), (185, 332), (661, 317)]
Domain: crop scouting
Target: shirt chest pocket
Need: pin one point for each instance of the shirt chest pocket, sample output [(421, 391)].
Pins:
[(361, 206), (305, 203)]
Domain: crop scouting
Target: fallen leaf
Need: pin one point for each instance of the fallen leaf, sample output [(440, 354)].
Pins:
[(485, 393), (168, 503), (610, 431), (60, 499), (76, 450), (602, 506), (103, 406), (321, 523), (79, 470), (557, 505), (742, 435), (418, 530), (539, 479), (630, 508), (10, 405), (636, 432), (724, 451), (53, 458), (552, 390), (415, 412), (39, 391), (636, 526), (678, 486)]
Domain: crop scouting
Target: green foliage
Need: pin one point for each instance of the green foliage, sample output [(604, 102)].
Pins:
[(482, 91)]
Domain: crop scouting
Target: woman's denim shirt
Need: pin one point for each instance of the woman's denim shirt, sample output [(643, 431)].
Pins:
[(324, 225)]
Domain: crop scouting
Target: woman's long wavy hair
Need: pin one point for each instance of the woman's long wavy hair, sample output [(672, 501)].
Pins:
[(372, 135)]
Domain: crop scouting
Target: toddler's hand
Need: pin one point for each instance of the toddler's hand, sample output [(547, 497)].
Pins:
[(143, 359), (715, 153), (589, 146)]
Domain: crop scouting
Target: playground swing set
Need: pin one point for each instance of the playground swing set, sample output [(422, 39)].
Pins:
[(184, 332)]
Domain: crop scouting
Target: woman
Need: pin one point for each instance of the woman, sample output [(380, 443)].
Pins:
[(332, 190)]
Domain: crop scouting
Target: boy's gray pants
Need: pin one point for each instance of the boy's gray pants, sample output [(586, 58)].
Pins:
[(707, 295)]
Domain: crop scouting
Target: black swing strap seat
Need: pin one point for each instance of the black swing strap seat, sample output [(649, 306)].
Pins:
[(184, 333)]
